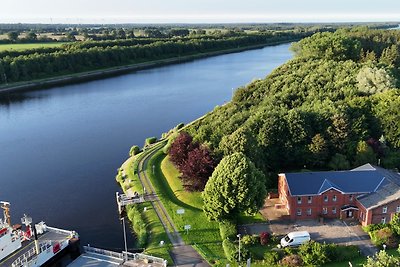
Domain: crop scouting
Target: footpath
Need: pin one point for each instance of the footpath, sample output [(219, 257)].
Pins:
[(182, 254)]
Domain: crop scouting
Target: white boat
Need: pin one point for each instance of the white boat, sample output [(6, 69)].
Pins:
[(31, 246)]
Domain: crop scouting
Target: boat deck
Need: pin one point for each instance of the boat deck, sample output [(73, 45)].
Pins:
[(50, 235)]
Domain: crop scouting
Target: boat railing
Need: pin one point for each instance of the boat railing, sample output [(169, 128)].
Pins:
[(144, 257), (62, 231), (28, 257), (103, 252)]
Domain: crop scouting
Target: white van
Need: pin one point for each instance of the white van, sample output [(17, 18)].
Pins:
[(295, 239)]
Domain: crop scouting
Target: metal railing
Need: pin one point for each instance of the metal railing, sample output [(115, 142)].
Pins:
[(104, 252), (125, 256), (28, 257)]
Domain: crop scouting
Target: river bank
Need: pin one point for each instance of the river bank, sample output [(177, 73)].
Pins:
[(102, 73)]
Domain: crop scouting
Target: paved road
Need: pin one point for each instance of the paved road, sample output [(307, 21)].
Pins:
[(182, 255)]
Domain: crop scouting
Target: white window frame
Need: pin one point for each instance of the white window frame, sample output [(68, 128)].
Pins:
[(398, 209), (309, 212), (298, 212), (309, 200), (351, 198), (299, 200), (334, 210), (384, 209), (326, 198), (334, 198), (383, 220)]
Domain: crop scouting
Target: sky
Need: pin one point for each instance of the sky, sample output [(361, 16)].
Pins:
[(197, 11)]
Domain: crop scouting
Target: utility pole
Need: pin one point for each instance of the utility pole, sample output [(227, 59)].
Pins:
[(239, 247), (123, 226)]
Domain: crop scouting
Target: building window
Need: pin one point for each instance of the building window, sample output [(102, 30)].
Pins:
[(384, 209), (383, 221), (334, 198), (298, 200), (298, 212), (309, 211), (324, 210), (326, 198), (334, 210), (351, 197), (309, 200), (398, 209)]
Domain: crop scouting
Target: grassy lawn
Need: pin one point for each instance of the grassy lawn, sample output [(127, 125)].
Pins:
[(204, 235), (20, 47)]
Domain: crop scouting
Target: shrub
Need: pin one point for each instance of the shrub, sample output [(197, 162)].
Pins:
[(271, 257), (227, 229), (134, 151), (341, 253), (384, 236), (313, 253), (264, 238), (179, 126), (150, 140), (231, 251), (249, 240), (138, 225), (374, 227), (292, 260)]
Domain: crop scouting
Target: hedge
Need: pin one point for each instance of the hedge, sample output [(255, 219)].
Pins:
[(138, 225), (227, 229)]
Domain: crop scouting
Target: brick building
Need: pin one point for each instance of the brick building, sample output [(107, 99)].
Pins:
[(368, 193)]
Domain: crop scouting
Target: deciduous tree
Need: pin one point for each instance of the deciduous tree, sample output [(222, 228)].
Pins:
[(235, 186)]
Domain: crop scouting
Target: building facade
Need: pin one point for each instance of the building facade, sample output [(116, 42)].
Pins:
[(369, 194)]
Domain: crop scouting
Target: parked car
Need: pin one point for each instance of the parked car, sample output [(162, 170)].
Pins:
[(293, 239)]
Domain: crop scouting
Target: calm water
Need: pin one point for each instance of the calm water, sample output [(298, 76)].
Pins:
[(60, 148)]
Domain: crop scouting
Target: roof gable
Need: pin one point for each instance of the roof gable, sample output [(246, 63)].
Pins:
[(364, 179)]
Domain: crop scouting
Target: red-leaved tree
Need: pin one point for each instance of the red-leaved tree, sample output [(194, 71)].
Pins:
[(194, 161), (197, 169), (180, 148)]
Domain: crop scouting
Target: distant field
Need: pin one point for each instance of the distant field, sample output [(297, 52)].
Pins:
[(27, 46)]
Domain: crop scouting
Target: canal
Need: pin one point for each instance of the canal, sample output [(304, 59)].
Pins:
[(60, 147)]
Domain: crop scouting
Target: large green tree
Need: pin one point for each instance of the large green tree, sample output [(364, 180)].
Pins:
[(235, 186)]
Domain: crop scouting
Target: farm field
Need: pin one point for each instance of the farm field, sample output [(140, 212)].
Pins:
[(28, 46)]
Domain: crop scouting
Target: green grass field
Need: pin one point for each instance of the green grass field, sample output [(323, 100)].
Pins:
[(20, 47), (203, 234)]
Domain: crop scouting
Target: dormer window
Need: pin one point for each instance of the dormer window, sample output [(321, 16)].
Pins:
[(298, 200)]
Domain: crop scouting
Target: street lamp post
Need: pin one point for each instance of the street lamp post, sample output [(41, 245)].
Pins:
[(123, 226), (239, 247)]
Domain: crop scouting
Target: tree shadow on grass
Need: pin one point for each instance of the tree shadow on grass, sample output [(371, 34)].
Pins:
[(162, 184)]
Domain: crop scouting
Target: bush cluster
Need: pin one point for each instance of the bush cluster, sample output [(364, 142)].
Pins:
[(232, 251), (249, 240), (227, 229), (138, 225)]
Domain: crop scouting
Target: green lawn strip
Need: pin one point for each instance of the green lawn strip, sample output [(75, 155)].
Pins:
[(20, 47), (203, 233), (171, 173), (156, 235), (249, 219)]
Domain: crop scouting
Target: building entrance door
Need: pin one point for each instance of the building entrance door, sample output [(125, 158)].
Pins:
[(349, 214)]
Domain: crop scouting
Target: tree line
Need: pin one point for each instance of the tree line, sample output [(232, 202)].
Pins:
[(334, 106), (46, 62)]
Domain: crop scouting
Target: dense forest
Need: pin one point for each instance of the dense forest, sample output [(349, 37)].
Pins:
[(75, 57), (334, 106)]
